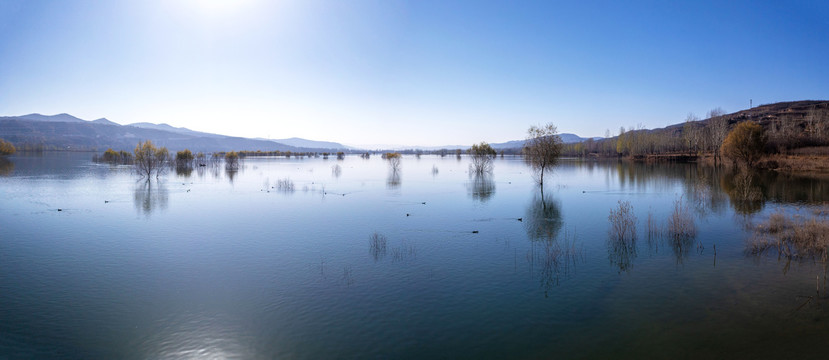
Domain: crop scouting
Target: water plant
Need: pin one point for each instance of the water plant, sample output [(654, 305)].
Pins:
[(681, 223), (377, 245), (622, 222), (285, 185), (793, 237)]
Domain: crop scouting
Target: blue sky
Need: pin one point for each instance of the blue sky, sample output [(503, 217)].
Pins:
[(410, 73)]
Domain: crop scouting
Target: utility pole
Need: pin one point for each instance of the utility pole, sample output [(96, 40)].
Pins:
[(750, 103)]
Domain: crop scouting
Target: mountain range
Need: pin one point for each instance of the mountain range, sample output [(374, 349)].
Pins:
[(67, 132)]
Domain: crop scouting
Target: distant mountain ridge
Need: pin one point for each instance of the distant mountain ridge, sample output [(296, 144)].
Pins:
[(566, 138), (305, 143), (67, 132)]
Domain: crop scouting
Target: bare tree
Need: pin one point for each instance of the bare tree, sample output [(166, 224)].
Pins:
[(482, 155), (690, 133), (232, 160), (542, 149), (149, 159), (394, 161), (718, 127)]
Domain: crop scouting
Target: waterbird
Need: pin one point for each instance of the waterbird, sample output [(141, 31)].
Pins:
[(59, 209), (474, 231), (520, 219)]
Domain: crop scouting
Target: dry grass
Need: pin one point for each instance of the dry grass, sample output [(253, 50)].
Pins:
[(285, 185), (377, 245), (681, 222), (796, 163), (792, 237), (622, 222), (655, 229)]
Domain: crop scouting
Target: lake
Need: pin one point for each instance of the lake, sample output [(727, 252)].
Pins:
[(325, 258)]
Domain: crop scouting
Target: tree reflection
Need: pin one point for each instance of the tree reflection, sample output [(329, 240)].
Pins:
[(743, 188), (551, 257), (482, 187), (231, 173), (184, 171), (149, 196), (6, 167), (393, 180), (543, 218)]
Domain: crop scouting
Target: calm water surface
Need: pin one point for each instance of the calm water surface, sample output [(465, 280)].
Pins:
[(97, 263)]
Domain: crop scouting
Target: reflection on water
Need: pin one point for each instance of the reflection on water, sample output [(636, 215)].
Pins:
[(744, 190), (184, 171), (543, 217), (231, 173), (552, 259), (482, 186), (236, 274), (621, 251), (149, 196), (393, 180), (6, 166)]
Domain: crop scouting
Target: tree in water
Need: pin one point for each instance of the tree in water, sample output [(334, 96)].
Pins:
[(150, 159), (482, 155), (6, 148), (232, 160), (542, 150)]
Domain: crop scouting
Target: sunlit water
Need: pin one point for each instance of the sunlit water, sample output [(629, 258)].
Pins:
[(97, 263)]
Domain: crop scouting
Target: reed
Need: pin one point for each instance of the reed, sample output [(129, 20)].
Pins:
[(285, 185), (377, 245), (681, 223), (622, 222), (793, 237)]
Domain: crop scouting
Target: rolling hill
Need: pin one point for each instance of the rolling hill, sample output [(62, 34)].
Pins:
[(66, 132)]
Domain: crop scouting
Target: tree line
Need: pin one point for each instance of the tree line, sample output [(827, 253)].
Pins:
[(784, 131)]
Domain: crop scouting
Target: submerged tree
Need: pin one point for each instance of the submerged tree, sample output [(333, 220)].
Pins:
[(184, 158), (149, 159), (745, 143), (394, 161), (232, 160), (6, 148), (542, 149), (482, 155)]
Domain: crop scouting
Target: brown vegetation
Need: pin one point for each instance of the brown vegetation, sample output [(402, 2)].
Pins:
[(793, 129), (745, 143), (793, 237), (681, 222), (481, 155), (6, 148), (150, 159)]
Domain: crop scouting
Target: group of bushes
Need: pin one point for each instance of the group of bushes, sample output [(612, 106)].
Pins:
[(6, 148)]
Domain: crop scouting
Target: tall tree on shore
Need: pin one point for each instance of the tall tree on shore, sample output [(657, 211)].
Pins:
[(542, 149), (745, 143), (718, 126)]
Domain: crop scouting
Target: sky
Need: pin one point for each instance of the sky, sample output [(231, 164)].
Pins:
[(426, 73)]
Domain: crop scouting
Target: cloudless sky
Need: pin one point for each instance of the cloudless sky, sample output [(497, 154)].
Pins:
[(407, 72)]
